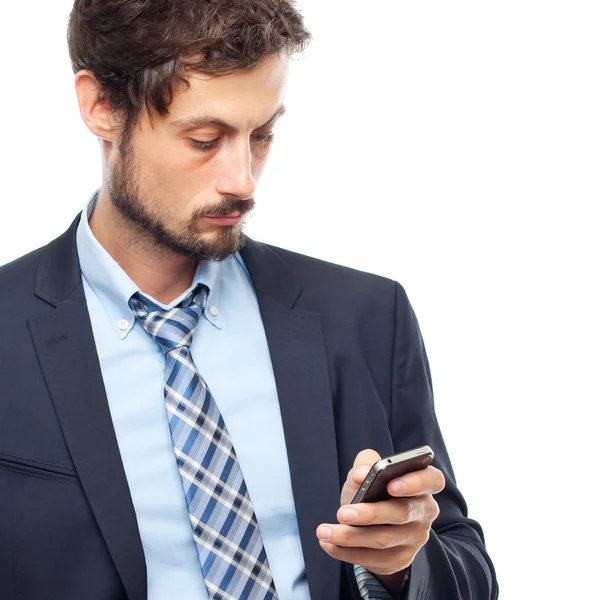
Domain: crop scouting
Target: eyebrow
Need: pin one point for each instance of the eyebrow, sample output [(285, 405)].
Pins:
[(205, 121)]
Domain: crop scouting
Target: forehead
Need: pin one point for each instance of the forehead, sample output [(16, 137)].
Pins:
[(245, 97)]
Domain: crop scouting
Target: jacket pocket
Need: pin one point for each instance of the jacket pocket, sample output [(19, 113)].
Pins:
[(27, 466)]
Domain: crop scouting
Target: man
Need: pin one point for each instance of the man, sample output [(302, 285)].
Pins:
[(182, 406)]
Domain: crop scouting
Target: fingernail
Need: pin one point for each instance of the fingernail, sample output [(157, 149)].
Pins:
[(398, 487), (324, 533), (347, 514)]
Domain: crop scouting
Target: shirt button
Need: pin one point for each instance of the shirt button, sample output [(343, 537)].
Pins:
[(214, 311), (123, 324)]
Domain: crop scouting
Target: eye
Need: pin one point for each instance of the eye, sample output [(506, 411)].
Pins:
[(263, 138), (204, 145)]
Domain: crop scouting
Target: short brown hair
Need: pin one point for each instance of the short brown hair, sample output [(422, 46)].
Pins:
[(137, 49)]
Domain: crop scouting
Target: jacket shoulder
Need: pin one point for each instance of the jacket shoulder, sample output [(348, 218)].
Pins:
[(17, 278), (334, 278)]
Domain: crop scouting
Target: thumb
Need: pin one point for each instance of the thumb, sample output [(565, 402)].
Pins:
[(362, 464), (364, 460), (366, 457)]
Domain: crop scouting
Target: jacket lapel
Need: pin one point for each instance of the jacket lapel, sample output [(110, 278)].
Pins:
[(299, 361), (66, 351)]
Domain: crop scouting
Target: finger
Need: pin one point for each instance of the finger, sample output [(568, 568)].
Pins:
[(418, 483), (356, 475), (377, 537), (379, 562), (359, 474), (397, 511), (362, 464), (366, 457)]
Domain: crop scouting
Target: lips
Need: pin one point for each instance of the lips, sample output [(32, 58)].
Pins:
[(229, 220)]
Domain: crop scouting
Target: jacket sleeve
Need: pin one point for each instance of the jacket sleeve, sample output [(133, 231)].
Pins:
[(453, 564)]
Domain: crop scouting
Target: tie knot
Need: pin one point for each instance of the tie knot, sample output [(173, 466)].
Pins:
[(172, 328)]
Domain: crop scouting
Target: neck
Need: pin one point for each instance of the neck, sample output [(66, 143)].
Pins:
[(157, 271)]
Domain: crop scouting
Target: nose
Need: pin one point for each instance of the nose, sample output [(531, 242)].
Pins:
[(236, 178)]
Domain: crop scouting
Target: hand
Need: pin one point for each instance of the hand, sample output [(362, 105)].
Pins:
[(397, 528)]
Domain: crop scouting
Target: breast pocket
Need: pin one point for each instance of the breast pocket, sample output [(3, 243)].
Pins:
[(27, 466)]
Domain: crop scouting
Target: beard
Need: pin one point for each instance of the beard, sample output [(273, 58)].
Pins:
[(133, 205)]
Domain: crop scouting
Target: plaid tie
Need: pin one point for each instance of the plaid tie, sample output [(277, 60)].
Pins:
[(369, 586), (233, 558)]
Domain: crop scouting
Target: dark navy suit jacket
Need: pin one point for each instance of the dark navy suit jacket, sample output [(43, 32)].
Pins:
[(351, 373)]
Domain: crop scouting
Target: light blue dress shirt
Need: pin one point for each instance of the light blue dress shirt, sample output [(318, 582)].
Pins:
[(230, 350)]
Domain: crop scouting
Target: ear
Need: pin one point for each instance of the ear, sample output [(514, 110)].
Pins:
[(96, 114)]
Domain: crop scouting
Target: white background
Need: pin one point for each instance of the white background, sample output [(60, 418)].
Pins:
[(453, 146)]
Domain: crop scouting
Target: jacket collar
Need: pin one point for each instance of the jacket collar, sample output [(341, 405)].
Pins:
[(59, 273)]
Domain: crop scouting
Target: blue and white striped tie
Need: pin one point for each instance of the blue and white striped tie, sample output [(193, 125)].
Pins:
[(232, 555)]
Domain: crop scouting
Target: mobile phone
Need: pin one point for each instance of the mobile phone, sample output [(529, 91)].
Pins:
[(374, 487)]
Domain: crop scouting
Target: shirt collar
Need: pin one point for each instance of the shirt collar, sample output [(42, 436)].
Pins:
[(114, 287)]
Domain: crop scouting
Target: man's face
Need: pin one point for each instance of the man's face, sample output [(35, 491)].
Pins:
[(187, 180)]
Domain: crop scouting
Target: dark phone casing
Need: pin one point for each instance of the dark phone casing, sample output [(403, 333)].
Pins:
[(374, 487)]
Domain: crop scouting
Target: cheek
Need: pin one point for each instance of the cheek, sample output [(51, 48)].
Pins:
[(174, 168)]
